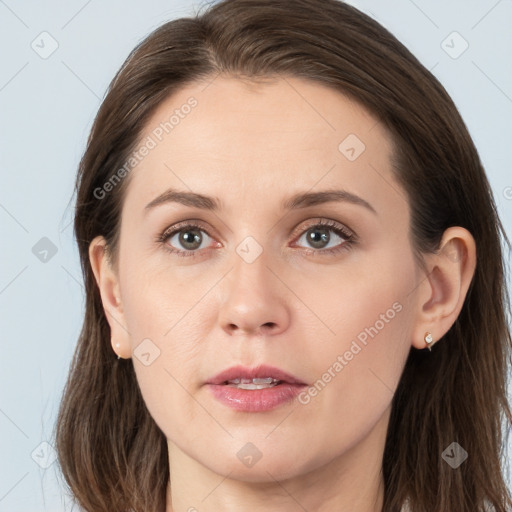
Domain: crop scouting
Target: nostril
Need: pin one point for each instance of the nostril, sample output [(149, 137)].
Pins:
[(265, 326)]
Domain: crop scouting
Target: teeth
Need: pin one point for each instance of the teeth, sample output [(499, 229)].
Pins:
[(258, 383), (268, 380)]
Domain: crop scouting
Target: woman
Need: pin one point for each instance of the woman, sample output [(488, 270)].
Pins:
[(290, 249)]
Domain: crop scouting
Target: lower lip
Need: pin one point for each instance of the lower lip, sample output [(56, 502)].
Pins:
[(255, 400)]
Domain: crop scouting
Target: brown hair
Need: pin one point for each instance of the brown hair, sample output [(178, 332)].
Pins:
[(112, 454)]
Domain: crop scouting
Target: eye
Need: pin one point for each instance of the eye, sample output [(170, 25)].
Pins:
[(188, 238), (184, 240), (318, 237)]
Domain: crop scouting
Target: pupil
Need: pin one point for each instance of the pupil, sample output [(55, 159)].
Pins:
[(187, 240), (319, 240)]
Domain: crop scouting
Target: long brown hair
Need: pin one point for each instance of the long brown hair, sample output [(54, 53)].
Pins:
[(112, 454)]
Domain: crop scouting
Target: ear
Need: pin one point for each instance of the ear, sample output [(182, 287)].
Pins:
[(107, 279), (442, 291)]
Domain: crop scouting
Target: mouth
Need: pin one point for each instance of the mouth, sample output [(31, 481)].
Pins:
[(264, 383), (260, 377), (255, 389)]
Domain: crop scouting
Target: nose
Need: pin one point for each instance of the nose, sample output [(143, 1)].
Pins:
[(254, 300)]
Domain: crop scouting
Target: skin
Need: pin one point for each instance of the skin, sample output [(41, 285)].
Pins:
[(253, 145)]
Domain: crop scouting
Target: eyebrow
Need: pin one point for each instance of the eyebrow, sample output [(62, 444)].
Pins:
[(295, 202)]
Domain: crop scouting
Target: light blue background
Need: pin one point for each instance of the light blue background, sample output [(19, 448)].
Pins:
[(47, 107)]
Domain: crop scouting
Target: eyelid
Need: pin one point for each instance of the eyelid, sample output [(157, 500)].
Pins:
[(185, 224), (324, 222)]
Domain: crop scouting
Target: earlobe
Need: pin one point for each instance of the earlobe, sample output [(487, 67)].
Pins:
[(108, 285), (442, 291)]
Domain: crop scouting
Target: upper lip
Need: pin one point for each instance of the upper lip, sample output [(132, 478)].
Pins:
[(258, 372)]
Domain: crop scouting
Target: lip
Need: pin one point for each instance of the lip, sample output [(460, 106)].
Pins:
[(255, 400)]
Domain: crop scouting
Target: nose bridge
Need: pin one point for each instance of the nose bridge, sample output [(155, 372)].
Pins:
[(250, 273), (253, 297)]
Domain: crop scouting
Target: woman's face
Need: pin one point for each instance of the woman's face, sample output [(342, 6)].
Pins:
[(255, 281)]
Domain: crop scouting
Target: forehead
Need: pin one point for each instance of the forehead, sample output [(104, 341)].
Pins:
[(248, 141)]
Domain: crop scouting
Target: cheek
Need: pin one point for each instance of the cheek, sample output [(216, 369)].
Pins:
[(364, 299), (158, 300), (168, 382), (358, 367), (165, 318), (158, 309)]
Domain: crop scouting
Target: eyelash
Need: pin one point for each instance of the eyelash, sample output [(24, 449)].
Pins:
[(350, 238)]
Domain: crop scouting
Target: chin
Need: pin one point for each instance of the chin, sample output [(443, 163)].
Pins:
[(266, 469)]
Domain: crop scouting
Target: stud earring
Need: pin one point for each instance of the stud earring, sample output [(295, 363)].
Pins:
[(429, 340), (118, 346)]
